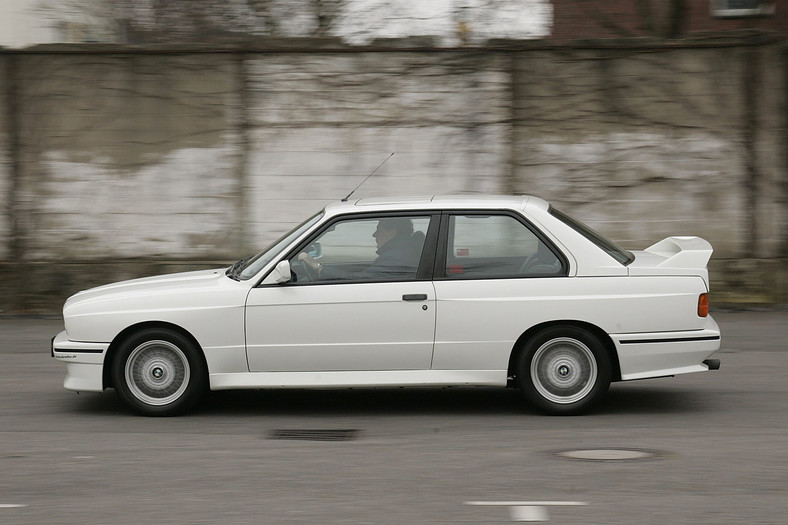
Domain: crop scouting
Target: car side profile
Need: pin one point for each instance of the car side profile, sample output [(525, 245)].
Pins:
[(423, 291)]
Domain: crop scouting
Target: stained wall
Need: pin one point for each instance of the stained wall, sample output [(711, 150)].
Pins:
[(122, 162)]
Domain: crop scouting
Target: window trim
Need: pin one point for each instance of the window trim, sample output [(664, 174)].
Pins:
[(426, 263), (317, 217), (443, 246), (723, 9)]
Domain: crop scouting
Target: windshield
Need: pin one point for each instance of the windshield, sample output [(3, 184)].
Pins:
[(611, 248), (248, 268)]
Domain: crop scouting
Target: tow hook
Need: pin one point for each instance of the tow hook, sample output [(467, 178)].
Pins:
[(713, 364)]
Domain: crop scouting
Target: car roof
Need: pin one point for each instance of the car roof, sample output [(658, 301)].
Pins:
[(437, 202)]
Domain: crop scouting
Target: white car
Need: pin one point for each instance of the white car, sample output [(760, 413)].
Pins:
[(434, 291)]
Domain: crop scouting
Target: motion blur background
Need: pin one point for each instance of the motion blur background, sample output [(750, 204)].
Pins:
[(147, 136)]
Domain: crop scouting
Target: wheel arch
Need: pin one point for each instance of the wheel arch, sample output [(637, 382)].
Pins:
[(601, 335), (135, 328)]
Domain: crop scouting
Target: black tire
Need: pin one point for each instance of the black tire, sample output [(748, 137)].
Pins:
[(564, 370), (159, 372)]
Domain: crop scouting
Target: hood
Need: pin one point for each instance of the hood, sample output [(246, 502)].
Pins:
[(164, 286)]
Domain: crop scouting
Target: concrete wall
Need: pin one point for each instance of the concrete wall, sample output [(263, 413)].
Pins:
[(642, 144), (124, 162), (5, 167), (128, 156), (319, 125)]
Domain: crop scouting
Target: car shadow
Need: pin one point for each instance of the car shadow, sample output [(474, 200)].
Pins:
[(106, 403), (396, 401), (642, 398), (620, 400), (631, 399)]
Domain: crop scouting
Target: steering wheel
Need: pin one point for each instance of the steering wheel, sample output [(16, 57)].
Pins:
[(309, 272), (298, 271)]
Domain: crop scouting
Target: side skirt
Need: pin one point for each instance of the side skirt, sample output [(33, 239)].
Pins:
[(358, 379)]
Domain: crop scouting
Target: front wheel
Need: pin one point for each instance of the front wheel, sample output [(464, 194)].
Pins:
[(564, 370), (158, 373)]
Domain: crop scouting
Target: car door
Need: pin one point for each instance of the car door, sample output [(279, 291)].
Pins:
[(367, 309), (495, 275)]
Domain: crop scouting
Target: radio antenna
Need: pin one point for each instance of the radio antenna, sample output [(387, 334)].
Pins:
[(368, 176)]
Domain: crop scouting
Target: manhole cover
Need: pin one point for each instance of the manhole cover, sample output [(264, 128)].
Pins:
[(607, 454), (315, 434)]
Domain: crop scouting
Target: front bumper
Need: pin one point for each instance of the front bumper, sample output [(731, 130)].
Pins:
[(84, 362)]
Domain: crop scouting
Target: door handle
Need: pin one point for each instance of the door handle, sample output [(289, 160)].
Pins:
[(414, 297)]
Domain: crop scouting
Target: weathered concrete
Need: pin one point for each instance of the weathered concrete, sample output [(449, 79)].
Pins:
[(6, 204), (126, 161), (643, 144), (128, 156), (321, 123)]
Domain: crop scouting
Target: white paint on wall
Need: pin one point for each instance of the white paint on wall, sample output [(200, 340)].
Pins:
[(641, 187), (181, 207), (295, 172), (451, 21), (22, 25)]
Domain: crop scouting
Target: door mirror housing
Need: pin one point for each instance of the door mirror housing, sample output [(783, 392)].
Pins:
[(280, 274)]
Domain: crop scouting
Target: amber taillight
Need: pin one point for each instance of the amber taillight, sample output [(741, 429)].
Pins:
[(703, 305)]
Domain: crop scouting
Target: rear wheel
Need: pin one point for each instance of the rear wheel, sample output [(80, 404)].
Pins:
[(158, 373), (564, 370)]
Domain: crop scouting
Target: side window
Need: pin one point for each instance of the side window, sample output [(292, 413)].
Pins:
[(496, 246), (364, 249)]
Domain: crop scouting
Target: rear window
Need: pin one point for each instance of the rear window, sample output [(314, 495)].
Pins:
[(611, 248)]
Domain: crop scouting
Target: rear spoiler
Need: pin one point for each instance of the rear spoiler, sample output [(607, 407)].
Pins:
[(682, 252)]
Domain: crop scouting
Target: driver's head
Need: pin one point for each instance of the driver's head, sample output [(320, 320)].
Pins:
[(392, 227)]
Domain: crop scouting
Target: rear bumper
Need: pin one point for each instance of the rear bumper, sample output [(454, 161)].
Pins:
[(84, 363), (661, 354)]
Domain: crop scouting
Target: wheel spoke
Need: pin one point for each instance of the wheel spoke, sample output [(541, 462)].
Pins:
[(157, 372), (563, 370)]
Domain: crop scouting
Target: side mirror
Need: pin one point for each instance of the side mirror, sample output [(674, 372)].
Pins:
[(280, 274)]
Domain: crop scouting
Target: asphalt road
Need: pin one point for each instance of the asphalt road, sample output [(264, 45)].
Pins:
[(718, 445)]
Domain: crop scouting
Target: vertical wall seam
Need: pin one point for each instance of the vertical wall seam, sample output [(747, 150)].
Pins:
[(12, 102), (783, 203), (510, 184), (14, 298), (244, 125), (752, 78)]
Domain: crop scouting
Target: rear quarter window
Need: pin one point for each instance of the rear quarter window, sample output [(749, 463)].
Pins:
[(621, 255), (496, 246)]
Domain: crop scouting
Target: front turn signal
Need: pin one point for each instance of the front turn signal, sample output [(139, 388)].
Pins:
[(703, 305)]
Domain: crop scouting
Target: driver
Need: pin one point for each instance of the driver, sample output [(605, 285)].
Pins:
[(398, 252)]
